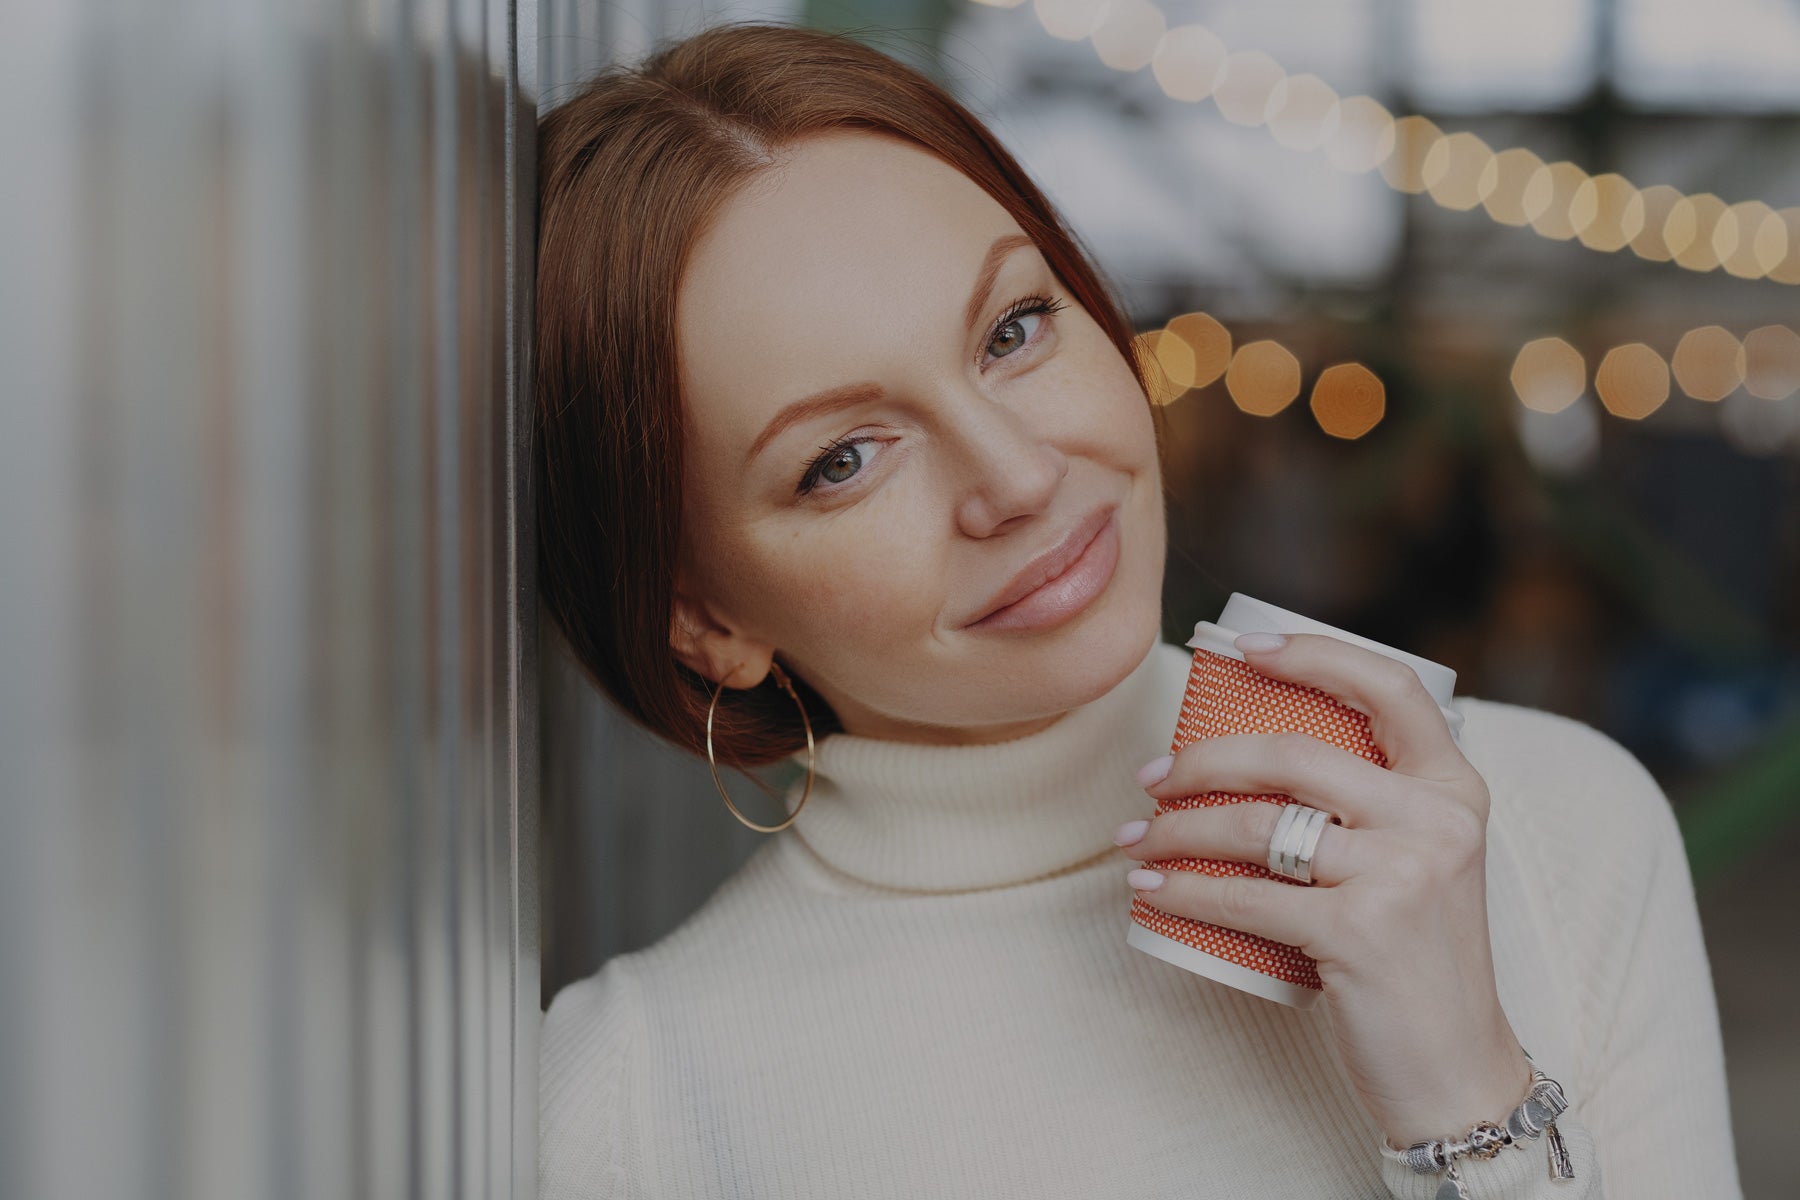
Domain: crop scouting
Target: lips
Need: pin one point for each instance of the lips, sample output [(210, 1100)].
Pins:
[(1047, 565)]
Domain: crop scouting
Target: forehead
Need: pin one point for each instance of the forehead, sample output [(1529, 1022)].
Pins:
[(849, 249)]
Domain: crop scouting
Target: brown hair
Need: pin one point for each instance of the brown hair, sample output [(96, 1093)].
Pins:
[(630, 170)]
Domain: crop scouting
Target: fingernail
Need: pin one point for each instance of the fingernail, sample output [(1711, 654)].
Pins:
[(1142, 880), (1260, 641), (1155, 771), (1131, 833)]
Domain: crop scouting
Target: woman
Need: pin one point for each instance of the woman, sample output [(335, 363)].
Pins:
[(826, 389)]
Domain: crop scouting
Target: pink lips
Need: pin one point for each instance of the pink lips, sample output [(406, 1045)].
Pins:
[(1072, 587)]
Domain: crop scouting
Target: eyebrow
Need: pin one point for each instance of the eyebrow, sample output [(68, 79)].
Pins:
[(851, 394)]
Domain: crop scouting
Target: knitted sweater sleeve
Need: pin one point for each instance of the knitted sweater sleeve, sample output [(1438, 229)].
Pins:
[(590, 1066), (1653, 1118)]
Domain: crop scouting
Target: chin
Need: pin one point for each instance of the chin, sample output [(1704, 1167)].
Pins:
[(1107, 642), (1113, 645)]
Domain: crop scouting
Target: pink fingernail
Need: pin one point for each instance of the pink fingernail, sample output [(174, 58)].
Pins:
[(1260, 641), (1142, 880), (1131, 833), (1155, 771)]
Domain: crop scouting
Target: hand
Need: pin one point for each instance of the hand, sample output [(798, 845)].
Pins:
[(1396, 915)]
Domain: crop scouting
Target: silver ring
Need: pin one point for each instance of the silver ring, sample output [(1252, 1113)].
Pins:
[(1279, 837), (1303, 858), (1295, 839)]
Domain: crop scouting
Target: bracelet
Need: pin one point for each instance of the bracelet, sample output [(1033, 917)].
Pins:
[(1536, 1114)]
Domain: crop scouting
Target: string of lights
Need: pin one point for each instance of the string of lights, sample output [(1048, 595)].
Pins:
[(1632, 380), (1458, 171)]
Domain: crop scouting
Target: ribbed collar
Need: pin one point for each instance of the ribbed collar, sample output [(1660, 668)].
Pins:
[(947, 818)]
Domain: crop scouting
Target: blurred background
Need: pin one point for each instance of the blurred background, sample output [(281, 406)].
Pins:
[(1480, 330), (1476, 328)]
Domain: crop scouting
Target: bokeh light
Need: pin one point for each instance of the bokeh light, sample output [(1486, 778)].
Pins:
[(1734, 239), (1070, 20), (1128, 33), (1348, 400), (1632, 381), (1548, 374), (1769, 243), (1772, 362), (1188, 62), (1689, 231), (1264, 378), (1364, 135), (1303, 112), (1456, 171), (1209, 341), (1512, 171), (1249, 82), (1758, 426), (1551, 197), (1607, 212), (1169, 365), (1708, 363), (1175, 356), (1404, 169), (1563, 442), (1787, 269), (1659, 200)]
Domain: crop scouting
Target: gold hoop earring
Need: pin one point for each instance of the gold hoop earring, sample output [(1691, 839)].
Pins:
[(811, 752)]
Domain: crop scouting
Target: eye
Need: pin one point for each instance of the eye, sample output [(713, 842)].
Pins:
[(1012, 320), (839, 462)]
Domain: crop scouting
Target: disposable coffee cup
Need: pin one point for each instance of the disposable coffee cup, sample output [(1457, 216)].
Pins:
[(1225, 696)]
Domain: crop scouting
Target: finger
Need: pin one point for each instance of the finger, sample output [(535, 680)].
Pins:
[(1241, 832), (1404, 720), (1284, 912), (1290, 764)]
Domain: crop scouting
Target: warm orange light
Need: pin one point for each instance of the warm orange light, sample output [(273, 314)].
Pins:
[(1404, 169), (1561, 180), (1632, 381), (1209, 341), (1511, 172), (1455, 171), (1168, 364), (1659, 201), (1263, 378), (1770, 243), (1348, 400), (1734, 239), (1607, 212), (1548, 374), (1772, 362), (1787, 268), (1708, 363), (1689, 231)]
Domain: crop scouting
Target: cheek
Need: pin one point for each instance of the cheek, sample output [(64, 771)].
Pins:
[(1106, 389), (856, 577)]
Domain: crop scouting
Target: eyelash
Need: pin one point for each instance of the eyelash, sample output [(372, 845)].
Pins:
[(1025, 306)]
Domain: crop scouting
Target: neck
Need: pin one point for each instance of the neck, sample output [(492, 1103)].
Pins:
[(934, 816)]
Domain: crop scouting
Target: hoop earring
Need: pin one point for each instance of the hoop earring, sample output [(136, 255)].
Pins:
[(811, 752)]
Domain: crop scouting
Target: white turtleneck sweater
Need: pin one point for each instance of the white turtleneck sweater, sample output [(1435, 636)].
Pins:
[(922, 989)]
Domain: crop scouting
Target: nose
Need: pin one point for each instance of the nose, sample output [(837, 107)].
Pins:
[(1011, 470)]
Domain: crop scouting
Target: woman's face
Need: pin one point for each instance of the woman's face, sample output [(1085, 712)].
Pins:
[(857, 538)]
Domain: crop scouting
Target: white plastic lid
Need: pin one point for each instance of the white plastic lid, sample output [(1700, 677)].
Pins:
[(1246, 614)]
